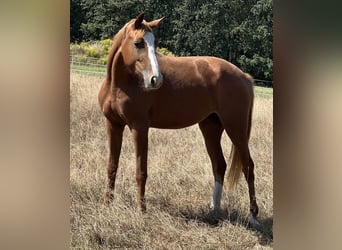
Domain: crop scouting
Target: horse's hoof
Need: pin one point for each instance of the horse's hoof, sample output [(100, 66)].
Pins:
[(213, 207), (106, 203), (253, 221), (108, 199), (142, 207)]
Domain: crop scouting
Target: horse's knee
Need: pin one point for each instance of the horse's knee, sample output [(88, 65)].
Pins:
[(141, 178), (111, 171)]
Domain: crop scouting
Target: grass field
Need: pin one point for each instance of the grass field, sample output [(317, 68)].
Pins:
[(95, 69), (178, 189)]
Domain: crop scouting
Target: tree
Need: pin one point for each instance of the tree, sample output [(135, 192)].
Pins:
[(255, 37), (105, 18), (77, 17), (199, 28), (239, 31)]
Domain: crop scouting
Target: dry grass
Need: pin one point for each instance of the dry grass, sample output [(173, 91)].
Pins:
[(178, 190)]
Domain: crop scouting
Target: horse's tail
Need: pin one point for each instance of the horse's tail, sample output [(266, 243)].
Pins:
[(234, 158), (251, 80)]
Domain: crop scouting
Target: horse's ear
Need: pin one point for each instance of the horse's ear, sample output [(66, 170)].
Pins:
[(155, 23), (138, 21)]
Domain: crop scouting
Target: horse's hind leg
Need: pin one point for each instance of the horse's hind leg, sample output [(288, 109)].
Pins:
[(115, 140), (212, 129), (237, 132), (249, 176), (248, 171)]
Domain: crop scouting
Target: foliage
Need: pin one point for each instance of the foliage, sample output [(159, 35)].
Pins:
[(77, 17), (165, 51), (256, 34), (90, 49), (239, 31), (96, 52)]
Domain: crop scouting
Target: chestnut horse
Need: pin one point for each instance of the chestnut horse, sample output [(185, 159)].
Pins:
[(144, 89)]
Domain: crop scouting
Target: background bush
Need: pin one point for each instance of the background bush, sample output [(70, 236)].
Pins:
[(236, 30), (96, 52)]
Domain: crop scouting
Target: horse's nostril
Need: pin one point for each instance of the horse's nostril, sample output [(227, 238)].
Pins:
[(153, 81)]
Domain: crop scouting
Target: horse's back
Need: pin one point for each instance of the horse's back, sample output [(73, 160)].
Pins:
[(195, 87), (211, 74)]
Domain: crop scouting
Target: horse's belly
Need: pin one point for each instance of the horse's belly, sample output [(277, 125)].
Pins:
[(183, 104), (173, 124), (179, 118)]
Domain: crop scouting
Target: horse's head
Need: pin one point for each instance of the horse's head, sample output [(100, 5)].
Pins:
[(139, 52)]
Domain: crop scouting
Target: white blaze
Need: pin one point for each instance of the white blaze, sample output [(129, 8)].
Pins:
[(149, 39), (215, 203)]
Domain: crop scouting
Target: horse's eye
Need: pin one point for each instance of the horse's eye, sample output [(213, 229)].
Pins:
[(140, 44)]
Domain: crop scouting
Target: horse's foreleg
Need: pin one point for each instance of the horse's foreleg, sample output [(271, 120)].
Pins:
[(140, 137), (114, 132)]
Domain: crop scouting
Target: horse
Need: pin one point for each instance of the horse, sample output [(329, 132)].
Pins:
[(144, 89)]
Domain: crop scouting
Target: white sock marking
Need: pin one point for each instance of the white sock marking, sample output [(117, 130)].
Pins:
[(216, 200), (253, 221)]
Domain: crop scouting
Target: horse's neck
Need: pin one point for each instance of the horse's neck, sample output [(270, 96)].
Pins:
[(120, 74), (117, 40)]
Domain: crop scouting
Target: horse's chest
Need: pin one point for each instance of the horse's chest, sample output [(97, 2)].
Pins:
[(130, 109)]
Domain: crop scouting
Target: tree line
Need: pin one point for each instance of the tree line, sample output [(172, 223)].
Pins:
[(239, 31)]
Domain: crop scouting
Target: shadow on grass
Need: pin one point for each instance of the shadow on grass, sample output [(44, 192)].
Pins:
[(234, 217), (213, 219)]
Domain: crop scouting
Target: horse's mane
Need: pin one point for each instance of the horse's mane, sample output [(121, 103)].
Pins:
[(117, 40)]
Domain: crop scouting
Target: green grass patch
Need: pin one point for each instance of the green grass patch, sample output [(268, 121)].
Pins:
[(101, 70), (263, 91)]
